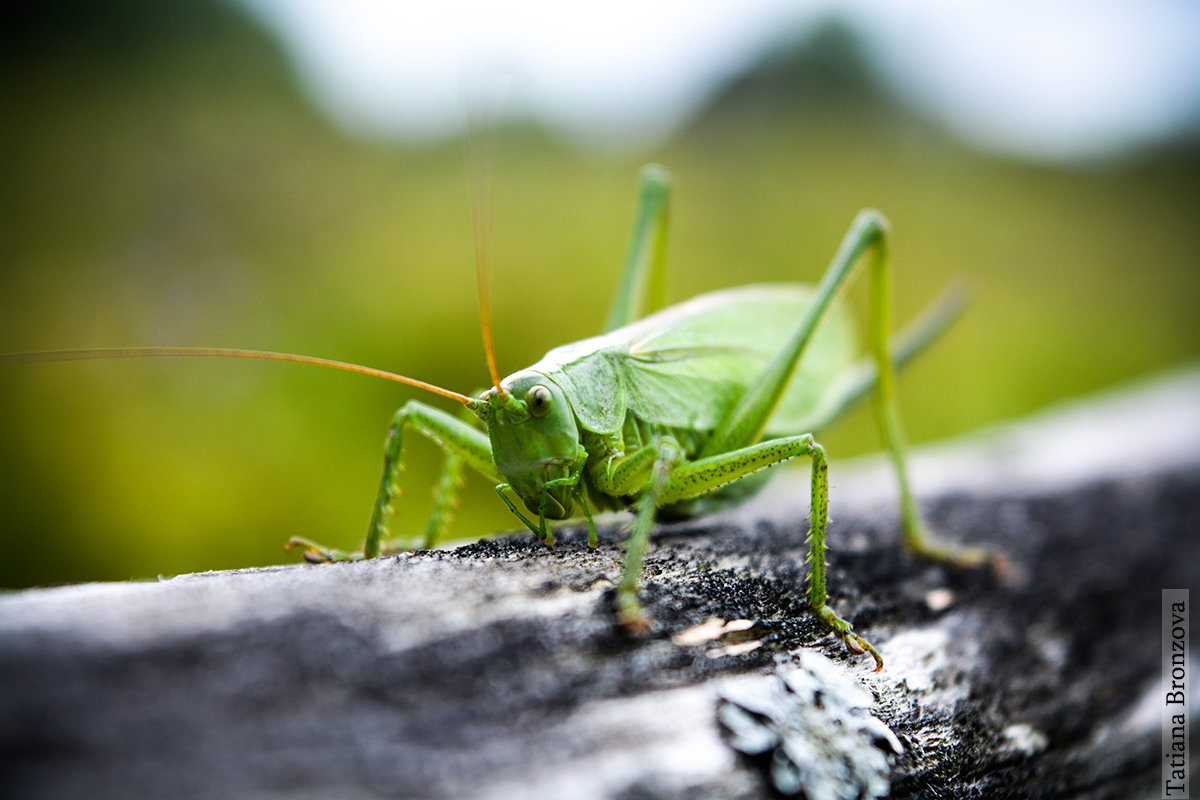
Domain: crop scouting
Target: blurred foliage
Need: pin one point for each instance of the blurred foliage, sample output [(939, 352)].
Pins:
[(166, 182)]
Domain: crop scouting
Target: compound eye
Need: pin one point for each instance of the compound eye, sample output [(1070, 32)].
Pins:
[(538, 400)]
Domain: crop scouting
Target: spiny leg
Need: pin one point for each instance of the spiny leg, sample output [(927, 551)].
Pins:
[(819, 521), (539, 528), (445, 494), (696, 478), (868, 234), (593, 542), (445, 500), (468, 444), (858, 381), (629, 608), (642, 284), (642, 473), (870, 231)]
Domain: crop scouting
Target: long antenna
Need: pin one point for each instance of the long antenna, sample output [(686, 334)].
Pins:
[(481, 163), (222, 352)]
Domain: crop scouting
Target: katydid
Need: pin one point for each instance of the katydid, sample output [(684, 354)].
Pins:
[(668, 411)]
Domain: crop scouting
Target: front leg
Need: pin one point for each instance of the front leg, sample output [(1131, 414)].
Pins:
[(464, 444)]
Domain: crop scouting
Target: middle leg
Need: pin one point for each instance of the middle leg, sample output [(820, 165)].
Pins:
[(690, 480)]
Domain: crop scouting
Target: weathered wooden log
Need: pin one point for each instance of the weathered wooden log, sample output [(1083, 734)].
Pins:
[(496, 669)]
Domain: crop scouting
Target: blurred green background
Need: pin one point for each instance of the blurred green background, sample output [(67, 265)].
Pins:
[(166, 182)]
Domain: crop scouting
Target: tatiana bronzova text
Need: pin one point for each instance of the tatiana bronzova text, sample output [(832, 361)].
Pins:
[(1176, 665)]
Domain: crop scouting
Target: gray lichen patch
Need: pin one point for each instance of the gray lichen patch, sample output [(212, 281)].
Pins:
[(813, 730)]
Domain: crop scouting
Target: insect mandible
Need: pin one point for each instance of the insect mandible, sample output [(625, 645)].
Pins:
[(671, 411)]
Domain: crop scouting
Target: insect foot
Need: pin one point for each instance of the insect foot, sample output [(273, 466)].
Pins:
[(845, 631), (314, 553), (630, 613), (961, 558)]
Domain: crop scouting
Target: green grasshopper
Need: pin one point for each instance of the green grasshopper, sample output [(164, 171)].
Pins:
[(666, 413), (670, 413)]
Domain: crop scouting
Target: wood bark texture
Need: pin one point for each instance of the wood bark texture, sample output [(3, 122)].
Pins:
[(495, 669)]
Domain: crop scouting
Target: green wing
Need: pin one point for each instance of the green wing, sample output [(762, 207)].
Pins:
[(687, 365)]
